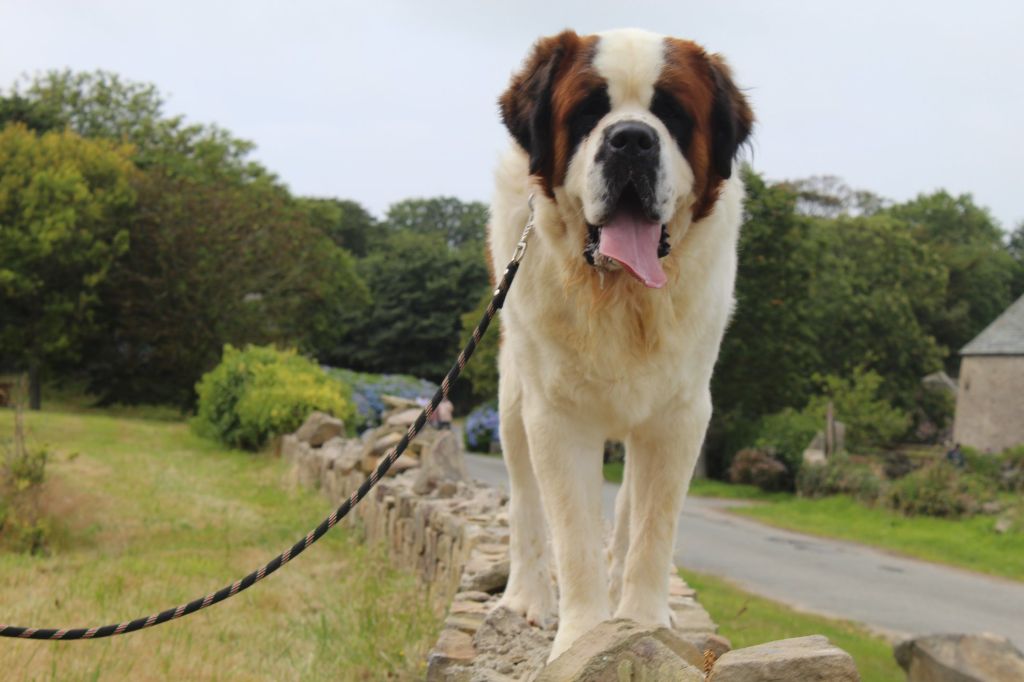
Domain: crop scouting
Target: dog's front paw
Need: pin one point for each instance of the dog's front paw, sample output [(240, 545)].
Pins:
[(567, 634), (536, 606)]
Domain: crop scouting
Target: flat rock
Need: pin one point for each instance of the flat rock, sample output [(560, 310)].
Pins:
[(809, 659), (453, 647), (485, 573), (398, 403), (385, 443), (319, 428), (403, 417), (508, 645), (403, 463), (342, 454), (620, 650), (444, 465), (960, 658)]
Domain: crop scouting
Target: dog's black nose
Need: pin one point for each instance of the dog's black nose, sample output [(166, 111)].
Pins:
[(631, 139)]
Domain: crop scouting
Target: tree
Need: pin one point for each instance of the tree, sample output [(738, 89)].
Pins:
[(33, 115), (419, 289), (348, 224), (65, 203), (214, 263), (970, 244), (100, 104), (1015, 247), (827, 196), (872, 291), (482, 372), (459, 223), (770, 349)]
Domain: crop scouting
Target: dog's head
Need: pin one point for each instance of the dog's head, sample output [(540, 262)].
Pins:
[(628, 129)]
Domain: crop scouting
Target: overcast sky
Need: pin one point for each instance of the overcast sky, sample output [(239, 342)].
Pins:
[(382, 100)]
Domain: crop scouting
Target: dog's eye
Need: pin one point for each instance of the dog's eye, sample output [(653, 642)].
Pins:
[(675, 117), (587, 114)]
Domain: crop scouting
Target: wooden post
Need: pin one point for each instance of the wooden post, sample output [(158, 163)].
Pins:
[(830, 431)]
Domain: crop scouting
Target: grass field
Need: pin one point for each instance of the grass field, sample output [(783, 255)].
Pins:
[(969, 543), (748, 620), (152, 516)]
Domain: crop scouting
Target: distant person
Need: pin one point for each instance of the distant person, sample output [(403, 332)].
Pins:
[(444, 414), (956, 456)]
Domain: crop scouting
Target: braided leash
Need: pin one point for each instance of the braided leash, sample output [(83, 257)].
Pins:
[(338, 514)]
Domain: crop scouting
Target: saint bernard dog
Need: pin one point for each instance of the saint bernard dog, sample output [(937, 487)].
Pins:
[(627, 141)]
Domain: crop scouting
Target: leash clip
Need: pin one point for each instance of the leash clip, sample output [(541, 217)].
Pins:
[(521, 246)]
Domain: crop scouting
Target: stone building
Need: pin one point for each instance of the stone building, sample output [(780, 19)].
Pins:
[(990, 400)]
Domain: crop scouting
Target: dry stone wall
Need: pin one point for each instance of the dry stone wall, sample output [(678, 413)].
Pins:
[(453, 534)]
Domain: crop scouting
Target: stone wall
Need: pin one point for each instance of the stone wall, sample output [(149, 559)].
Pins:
[(989, 409), (453, 534)]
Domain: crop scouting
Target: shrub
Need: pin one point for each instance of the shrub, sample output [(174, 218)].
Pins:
[(1011, 470), (759, 467), (368, 388), (787, 434), (937, 490), (870, 420), (482, 429), (839, 475), (897, 464), (23, 525), (260, 392)]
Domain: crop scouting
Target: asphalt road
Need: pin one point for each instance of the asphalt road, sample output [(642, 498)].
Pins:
[(891, 594)]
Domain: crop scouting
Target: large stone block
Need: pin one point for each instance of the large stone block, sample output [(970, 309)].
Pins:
[(809, 659), (443, 462), (620, 650), (960, 658), (319, 428)]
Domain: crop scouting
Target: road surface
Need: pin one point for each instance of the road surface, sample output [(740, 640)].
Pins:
[(891, 594)]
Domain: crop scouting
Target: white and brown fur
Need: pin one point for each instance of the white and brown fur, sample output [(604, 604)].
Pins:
[(588, 355)]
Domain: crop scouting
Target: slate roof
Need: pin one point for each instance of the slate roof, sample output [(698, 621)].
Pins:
[(1005, 336)]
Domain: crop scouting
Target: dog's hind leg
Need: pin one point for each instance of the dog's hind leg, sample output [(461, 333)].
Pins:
[(566, 455), (529, 591), (660, 461)]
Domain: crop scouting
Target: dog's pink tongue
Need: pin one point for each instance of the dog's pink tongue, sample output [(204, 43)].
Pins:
[(633, 241)]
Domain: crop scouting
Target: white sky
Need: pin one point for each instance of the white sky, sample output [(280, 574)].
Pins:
[(382, 100)]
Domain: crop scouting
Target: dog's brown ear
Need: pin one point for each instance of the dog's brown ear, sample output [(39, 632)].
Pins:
[(731, 117), (526, 104)]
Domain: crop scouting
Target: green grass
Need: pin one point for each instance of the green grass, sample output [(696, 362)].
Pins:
[(150, 516), (969, 543), (613, 472), (706, 487), (747, 620)]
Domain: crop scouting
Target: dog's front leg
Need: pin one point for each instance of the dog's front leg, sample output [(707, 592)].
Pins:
[(529, 591), (660, 457), (566, 455)]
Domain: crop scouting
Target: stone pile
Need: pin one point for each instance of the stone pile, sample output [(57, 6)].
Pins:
[(453, 534)]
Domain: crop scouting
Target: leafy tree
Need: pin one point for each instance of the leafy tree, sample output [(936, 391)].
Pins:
[(482, 372), (215, 263), (1015, 247), (64, 208), (827, 196), (459, 223), (347, 223), (872, 290), (419, 289), (34, 116), (857, 401), (969, 243), (770, 349), (101, 104)]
